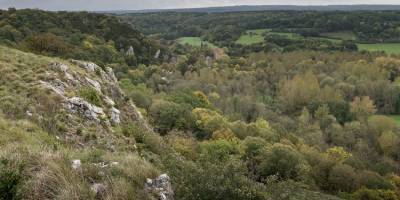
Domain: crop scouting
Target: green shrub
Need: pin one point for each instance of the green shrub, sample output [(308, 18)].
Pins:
[(91, 95)]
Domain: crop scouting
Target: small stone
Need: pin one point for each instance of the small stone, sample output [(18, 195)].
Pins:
[(76, 164), (99, 189), (28, 113)]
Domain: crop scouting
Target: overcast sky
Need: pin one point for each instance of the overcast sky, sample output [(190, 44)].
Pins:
[(160, 4)]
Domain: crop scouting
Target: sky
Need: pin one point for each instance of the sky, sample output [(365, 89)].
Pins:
[(93, 5)]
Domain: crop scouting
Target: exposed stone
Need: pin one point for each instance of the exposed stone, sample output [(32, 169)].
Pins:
[(208, 61), (99, 189), (89, 66), (96, 85), (90, 111), (109, 101), (56, 85), (115, 116), (130, 51), (28, 113), (59, 67), (76, 164), (157, 54), (161, 186)]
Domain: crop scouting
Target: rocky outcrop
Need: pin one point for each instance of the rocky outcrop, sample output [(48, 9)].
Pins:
[(56, 86), (89, 66), (96, 85), (90, 111), (161, 186)]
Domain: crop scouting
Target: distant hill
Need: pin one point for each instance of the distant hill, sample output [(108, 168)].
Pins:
[(245, 8)]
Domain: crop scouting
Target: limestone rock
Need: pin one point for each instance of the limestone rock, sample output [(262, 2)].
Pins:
[(157, 55), (89, 66), (99, 189), (161, 186), (96, 85), (56, 85), (130, 51), (76, 164), (109, 101), (115, 116), (90, 111), (59, 67)]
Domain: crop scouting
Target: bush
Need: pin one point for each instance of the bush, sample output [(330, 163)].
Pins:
[(10, 178), (91, 95), (283, 161)]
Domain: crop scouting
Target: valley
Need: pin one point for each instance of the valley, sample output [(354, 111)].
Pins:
[(200, 105)]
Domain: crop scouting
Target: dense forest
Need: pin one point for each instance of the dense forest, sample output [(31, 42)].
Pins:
[(98, 38), (296, 117), (368, 26)]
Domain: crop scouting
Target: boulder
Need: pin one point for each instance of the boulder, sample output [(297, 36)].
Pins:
[(161, 186)]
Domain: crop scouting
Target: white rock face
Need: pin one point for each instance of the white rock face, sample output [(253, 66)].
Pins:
[(76, 164), (115, 116), (162, 186), (90, 111), (96, 85)]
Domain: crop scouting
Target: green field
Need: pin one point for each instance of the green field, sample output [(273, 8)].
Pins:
[(396, 118), (391, 48), (257, 36), (252, 37), (341, 35), (195, 41)]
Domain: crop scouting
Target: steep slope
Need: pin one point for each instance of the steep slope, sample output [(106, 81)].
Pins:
[(66, 132)]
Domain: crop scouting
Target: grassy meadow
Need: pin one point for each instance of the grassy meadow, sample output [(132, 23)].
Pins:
[(195, 41), (341, 35), (390, 48), (257, 36)]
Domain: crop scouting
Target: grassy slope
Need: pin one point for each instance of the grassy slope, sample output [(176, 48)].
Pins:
[(194, 41), (37, 163)]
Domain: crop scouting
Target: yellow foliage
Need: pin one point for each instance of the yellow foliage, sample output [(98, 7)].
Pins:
[(338, 154), (224, 134)]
